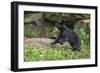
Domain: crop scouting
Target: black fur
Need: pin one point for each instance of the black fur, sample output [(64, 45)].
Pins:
[(67, 34)]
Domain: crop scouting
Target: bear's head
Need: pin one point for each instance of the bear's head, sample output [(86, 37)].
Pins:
[(59, 24)]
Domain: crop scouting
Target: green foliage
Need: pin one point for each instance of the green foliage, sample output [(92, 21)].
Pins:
[(54, 32), (35, 54), (30, 34), (84, 36)]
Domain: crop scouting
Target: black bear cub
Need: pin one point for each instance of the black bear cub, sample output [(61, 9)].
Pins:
[(67, 34)]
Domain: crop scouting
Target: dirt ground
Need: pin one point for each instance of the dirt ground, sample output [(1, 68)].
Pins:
[(43, 43)]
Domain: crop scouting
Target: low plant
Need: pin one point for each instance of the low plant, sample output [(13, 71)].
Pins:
[(30, 34)]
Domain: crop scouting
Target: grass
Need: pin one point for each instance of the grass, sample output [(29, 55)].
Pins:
[(34, 54), (40, 54), (30, 34)]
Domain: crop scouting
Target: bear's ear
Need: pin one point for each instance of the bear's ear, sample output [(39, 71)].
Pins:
[(61, 21)]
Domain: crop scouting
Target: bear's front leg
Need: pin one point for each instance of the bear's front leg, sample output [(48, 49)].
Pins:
[(61, 41), (56, 41)]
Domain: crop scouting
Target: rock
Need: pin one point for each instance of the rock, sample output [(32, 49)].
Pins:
[(33, 17), (83, 24)]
